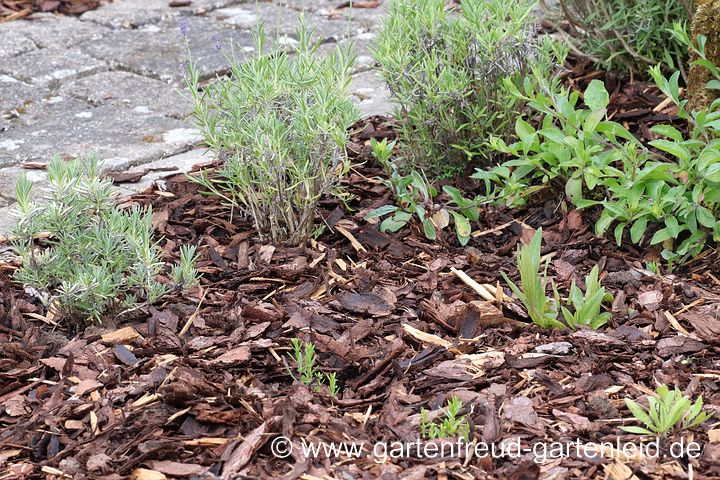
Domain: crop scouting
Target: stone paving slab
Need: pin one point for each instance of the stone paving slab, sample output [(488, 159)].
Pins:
[(130, 91), (50, 67), (158, 51), (370, 94), (48, 30), (14, 43), (122, 137), (131, 14)]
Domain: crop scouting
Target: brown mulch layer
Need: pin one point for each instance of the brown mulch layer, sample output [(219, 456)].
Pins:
[(16, 9), (200, 386)]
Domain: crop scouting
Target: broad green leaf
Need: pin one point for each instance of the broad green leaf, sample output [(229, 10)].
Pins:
[(660, 236), (638, 229), (429, 229), (390, 224), (668, 131), (462, 225), (619, 229), (705, 217), (673, 148), (379, 212), (523, 129), (596, 96)]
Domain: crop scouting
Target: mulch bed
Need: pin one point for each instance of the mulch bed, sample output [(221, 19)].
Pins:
[(199, 387), (17, 9)]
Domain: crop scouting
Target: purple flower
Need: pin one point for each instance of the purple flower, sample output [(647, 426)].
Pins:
[(183, 28), (214, 36)]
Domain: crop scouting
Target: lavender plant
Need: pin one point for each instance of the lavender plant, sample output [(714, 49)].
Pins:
[(444, 70), (627, 34), (281, 122), (93, 257)]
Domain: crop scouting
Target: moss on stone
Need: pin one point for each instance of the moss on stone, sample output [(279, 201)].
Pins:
[(706, 21)]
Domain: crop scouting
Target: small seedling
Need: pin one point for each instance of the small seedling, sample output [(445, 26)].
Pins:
[(653, 267), (587, 307), (416, 196), (541, 309), (303, 354), (333, 387), (450, 426), (185, 274), (668, 410), (382, 151)]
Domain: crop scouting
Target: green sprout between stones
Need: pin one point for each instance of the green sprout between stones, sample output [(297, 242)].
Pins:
[(451, 425), (668, 410), (308, 373)]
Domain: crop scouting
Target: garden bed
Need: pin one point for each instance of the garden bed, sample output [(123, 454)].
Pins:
[(201, 386)]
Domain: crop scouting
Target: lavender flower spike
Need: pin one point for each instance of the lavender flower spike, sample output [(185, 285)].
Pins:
[(218, 45), (184, 28)]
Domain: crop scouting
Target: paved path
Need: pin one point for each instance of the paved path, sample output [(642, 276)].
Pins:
[(110, 80)]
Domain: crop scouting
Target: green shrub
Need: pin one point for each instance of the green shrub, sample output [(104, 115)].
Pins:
[(627, 34), (282, 121), (93, 258), (597, 162), (444, 70)]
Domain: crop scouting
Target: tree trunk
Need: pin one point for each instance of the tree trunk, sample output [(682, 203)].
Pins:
[(706, 21)]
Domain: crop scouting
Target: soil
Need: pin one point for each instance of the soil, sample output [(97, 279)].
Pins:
[(201, 386)]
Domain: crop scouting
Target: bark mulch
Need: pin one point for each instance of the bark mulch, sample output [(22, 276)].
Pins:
[(17, 9), (200, 386)]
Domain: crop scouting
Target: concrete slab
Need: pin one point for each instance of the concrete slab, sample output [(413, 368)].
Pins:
[(159, 51), (130, 91), (51, 67)]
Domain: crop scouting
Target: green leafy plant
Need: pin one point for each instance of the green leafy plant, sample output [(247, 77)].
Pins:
[(693, 215), (303, 355), (451, 425), (667, 411), (542, 310), (444, 69), (281, 121), (185, 274), (627, 34), (416, 196), (599, 163), (587, 306), (575, 149), (83, 256)]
